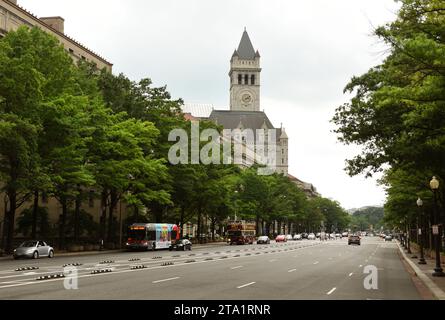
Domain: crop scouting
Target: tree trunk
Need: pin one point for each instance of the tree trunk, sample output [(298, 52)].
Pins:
[(62, 223), (10, 220), (199, 225), (77, 214), (257, 225), (35, 208), (113, 203), (181, 222), (103, 218)]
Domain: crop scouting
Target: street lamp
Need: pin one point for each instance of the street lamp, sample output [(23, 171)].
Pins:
[(420, 232), (438, 271)]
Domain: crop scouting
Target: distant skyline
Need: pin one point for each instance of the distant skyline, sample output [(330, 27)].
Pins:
[(309, 51)]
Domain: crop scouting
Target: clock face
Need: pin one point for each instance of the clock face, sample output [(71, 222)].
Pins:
[(246, 98)]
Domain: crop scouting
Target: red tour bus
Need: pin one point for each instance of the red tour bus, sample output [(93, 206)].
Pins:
[(152, 236)]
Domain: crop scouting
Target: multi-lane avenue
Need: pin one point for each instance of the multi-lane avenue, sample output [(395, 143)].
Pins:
[(284, 271)]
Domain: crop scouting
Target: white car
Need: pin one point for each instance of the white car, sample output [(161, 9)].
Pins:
[(289, 237), (345, 234), (332, 236), (297, 237), (311, 236)]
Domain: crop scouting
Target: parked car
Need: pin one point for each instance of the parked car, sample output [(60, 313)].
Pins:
[(338, 235), (318, 234), (280, 238), (297, 237), (263, 240), (345, 234), (33, 249), (311, 236), (289, 237), (354, 239), (304, 235), (332, 236), (181, 245)]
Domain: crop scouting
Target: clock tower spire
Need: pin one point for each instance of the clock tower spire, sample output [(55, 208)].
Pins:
[(245, 77)]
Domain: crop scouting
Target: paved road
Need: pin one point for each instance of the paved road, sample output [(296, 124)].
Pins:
[(279, 271)]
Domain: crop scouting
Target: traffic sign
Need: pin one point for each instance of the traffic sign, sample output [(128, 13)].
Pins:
[(435, 229)]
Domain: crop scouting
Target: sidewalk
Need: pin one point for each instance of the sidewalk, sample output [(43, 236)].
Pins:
[(88, 253), (424, 272)]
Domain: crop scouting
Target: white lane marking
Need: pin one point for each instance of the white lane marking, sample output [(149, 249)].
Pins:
[(330, 259), (351, 274), (360, 266), (332, 290), (245, 285), (292, 270), (237, 267), (163, 280), (29, 273), (273, 260), (316, 262)]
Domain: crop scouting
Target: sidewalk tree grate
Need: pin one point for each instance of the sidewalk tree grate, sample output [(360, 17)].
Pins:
[(52, 276), (169, 263), (26, 268)]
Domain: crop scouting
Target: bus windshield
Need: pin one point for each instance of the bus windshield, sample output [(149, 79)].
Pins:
[(235, 233), (136, 234)]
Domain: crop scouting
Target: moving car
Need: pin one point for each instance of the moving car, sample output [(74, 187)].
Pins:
[(33, 249), (289, 237), (388, 238), (338, 235), (297, 237), (311, 236), (345, 234), (263, 240), (354, 239), (181, 245), (280, 238)]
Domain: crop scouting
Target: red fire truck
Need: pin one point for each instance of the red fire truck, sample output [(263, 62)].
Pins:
[(241, 232)]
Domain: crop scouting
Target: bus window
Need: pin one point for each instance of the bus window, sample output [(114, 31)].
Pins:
[(151, 235)]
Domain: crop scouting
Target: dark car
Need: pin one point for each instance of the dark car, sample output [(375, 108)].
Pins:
[(33, 249), (304, 235), (354, 239), (181, 245)]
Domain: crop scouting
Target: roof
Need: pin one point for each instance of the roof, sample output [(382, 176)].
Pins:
[(197, 110), (245, 48), (309, 188), (249, 119)]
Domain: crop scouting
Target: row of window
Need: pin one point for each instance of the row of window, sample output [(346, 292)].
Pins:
[(246, 79)]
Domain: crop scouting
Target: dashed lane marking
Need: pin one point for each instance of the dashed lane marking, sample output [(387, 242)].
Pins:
[(246, 285)]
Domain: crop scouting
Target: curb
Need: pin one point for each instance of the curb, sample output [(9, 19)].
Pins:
[(435, 290)]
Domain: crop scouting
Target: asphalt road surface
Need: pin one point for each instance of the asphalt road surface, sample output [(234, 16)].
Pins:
[(280, 271)]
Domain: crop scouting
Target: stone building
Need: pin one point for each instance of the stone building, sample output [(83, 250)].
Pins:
[(13, 16)]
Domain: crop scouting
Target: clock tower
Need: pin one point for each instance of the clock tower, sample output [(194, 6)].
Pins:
[(245, 77)]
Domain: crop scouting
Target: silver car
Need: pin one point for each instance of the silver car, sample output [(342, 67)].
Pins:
[(34, 249)]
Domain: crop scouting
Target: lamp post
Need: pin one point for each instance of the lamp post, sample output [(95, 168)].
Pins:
[(420, 231), (438, 271)]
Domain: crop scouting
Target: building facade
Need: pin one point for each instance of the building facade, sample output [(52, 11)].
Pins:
[(12, 16)]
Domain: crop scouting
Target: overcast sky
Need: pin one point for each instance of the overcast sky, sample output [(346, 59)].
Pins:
[(309, 51)]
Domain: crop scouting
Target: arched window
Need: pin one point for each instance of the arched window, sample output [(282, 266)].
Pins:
[(252, 79), (246, 79), (240, 79)]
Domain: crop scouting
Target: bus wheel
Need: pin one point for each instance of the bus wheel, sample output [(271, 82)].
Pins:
[(153, 248)]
